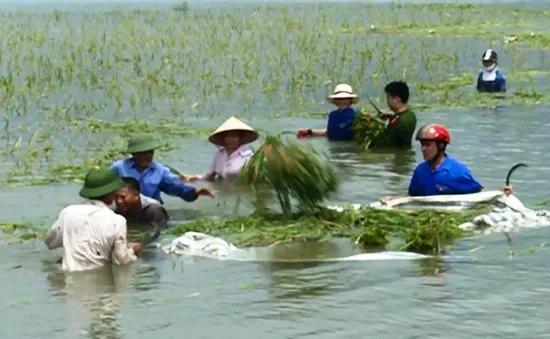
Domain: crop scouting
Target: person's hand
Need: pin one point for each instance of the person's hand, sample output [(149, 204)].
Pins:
[(367, 117), (204, 192), (188, 177), (136, 247), (386, 115), (303, 133), (507, 190), (384, 200)]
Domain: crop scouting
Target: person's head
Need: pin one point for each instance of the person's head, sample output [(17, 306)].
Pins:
[(434, 139), (489, 60), (101, 184), (127, 197), (232, 134), (397, 95), (232, 139), (142, 148), (343, 97)]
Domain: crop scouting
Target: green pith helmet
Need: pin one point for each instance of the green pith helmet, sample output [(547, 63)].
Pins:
[(142, 143), (100, 182)]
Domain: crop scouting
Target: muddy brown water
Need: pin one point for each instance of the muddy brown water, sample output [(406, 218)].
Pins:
[(490, 295)]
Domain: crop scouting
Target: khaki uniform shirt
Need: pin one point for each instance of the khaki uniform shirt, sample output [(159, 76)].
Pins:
[(90, 235)]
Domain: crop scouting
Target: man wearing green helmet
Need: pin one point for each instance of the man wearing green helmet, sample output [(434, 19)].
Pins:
[(91, 235), (152, 176)]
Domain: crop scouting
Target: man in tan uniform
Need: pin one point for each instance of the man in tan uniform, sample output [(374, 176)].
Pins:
[(91, 235)]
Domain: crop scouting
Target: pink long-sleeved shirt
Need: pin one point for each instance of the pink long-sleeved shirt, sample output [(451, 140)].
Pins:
[(225, 166)]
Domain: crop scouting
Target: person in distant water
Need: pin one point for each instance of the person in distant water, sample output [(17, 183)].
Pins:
[(340, 121), (139, 210), (490, 78), (91, 234), (439, 173), (232, 154), (402, 122), (152, 176)]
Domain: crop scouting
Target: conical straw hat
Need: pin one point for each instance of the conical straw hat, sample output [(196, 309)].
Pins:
[(233, 124)]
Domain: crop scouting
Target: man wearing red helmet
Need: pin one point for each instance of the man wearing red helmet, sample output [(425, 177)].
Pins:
[(440, 173)]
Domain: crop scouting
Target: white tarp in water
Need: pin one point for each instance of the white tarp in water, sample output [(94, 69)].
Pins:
[(203, 245), (507, 215)]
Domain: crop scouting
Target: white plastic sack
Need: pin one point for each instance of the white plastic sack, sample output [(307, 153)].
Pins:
[(197, 244), (508, 214)]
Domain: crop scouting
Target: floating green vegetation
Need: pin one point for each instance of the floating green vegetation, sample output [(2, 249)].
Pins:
[(421, 231), (19, 232), (162, 126), (72, 84), (290, 171)]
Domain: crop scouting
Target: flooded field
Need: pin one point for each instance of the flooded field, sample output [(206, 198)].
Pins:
[(75, 82)]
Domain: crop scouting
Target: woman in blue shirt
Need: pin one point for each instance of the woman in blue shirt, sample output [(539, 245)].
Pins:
[(340, 121)]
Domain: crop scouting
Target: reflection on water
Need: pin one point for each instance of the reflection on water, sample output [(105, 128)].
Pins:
[(402, 163), (344, 157), (93, 299), (293, 282), (146, 277), (432, 267)]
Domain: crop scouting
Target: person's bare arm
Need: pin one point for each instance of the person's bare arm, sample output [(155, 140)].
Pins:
[(319, 132)]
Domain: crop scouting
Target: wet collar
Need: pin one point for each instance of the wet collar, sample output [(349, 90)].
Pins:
[(148, 168), (241, 151)]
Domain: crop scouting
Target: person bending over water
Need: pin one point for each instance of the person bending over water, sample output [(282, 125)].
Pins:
[(91, 235), (232, 154), (340, 121), (439, 173), (140, 211), (152, 176), (490, 78)]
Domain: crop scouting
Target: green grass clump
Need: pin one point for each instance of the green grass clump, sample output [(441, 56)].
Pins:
[(370, 132), (421, 231)]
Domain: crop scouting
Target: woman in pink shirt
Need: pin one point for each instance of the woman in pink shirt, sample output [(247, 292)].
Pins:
[(232, 154)]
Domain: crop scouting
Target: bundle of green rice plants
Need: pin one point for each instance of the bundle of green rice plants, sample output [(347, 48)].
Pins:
[(370, 132), (291, 171)]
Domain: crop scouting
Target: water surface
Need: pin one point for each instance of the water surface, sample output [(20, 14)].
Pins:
[(488, 295)]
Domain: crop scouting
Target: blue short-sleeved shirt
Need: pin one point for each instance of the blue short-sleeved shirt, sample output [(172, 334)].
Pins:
[(451, 177), (155, 179), (340, 124)]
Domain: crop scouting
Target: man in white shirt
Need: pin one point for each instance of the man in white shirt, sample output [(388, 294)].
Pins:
[(91, 235)]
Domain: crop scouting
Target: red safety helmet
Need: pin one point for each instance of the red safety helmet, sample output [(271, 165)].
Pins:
[(434, 132)]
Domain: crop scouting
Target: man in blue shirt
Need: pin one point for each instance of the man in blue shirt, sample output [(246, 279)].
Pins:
[(340, 121), (152, 176), (490, 79), (439, 173)]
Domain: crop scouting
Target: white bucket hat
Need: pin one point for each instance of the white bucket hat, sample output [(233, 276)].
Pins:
[(233, 124), (343, 91)]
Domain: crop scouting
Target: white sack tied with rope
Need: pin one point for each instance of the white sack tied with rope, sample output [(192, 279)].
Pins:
[(508, 213), (196, 244)]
